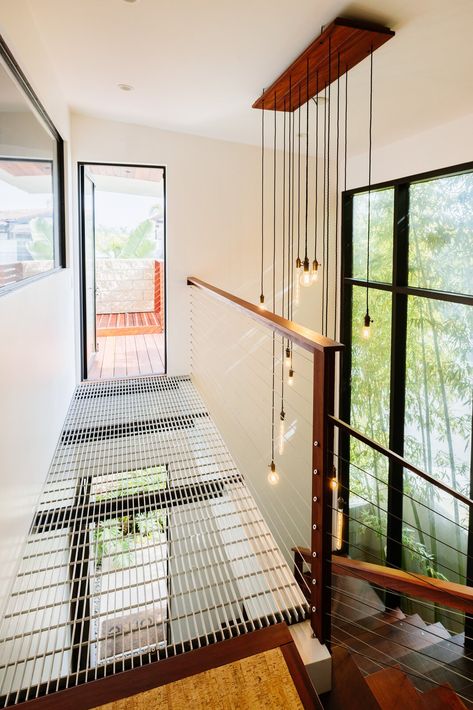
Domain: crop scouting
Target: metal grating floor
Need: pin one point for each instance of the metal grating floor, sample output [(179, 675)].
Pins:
[(146, 543)]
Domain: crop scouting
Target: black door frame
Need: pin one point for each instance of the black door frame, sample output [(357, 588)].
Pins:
[(400, 291), (81, 166)]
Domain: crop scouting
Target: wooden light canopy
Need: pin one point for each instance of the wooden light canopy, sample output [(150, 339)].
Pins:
[(350, 41)]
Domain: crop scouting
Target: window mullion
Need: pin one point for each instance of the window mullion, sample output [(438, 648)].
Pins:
[(397, 380)]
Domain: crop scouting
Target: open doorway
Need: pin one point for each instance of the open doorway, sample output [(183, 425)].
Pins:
[(122, 240)]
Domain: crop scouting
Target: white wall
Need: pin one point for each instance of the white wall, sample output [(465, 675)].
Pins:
[(36, 338), (212, 219), (212, 209), (441, 147)]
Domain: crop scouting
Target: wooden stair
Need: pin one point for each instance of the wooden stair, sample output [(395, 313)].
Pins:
[(385, 689), (403, 661)]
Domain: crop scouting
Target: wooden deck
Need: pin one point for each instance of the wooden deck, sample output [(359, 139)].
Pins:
[(126, 355), (128, 324)]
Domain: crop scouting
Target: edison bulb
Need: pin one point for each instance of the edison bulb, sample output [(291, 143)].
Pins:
[(315, 270), (366, 325), (290, 379), (305, 278), (261, 305), (273, 476), (287, 358)]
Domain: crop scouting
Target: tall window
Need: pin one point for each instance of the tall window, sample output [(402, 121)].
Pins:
[(409, 385), (31, 182)]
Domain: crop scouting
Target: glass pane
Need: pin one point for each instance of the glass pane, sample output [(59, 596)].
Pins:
[(381, 235), (438, 433), (438, 389), (441, 234), (370, 392), (28, 213)]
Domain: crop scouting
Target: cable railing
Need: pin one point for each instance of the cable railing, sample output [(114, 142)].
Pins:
[(236, 376), (245, 382)]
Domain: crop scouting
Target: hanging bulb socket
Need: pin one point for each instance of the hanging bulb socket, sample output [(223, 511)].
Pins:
[(287, 359), (315, 270), (273, 476), (298, 263), (290, 380), (261, 302), (366, 325)]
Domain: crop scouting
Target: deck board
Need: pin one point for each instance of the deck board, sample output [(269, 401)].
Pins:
[(128, 324), (127, 355)]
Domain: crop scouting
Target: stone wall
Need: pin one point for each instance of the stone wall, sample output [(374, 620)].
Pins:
[(125, 285)]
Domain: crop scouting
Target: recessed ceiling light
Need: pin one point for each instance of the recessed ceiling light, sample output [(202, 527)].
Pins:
[(130, 1), (125, 87)]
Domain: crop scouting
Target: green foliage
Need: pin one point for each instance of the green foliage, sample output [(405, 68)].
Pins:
[(117, 538), (42, 246), (121, 244), (439, 367), (143, 480)]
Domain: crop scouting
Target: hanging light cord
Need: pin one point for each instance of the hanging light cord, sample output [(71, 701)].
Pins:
[(346, 125), (262, 204), (324, 208), (328, 185), (307, 163), (370, 158), (283, 255), (289, 203), (274, 279), (337, 159), (299, 183), (274, 204), (316, 201)]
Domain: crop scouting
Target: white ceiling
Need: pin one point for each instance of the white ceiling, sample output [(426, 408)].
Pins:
[(197, 65)]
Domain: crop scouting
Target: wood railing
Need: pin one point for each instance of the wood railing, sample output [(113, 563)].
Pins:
[(419, 586), (319, 557), (323, 352)]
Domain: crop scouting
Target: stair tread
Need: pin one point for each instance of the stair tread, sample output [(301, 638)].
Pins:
[(348, 685), (359, 628), (392, 640), (443, 696), (393, 689)]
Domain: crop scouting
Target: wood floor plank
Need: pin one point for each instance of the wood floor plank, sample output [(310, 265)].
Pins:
[(157, 364), (132, 365), (120, 356), (128, 355), (108, 361), (143, 357)]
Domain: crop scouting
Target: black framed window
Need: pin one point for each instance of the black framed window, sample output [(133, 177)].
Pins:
[(31, 182), (409, 385)]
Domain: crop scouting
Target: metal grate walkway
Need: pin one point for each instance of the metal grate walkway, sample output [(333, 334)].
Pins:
[(146, 543)]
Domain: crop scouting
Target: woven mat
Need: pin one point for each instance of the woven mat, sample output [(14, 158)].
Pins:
[(258, 682)]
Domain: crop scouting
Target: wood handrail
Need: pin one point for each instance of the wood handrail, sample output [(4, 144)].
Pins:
[(450, 594), (306, 338), (399, 460)]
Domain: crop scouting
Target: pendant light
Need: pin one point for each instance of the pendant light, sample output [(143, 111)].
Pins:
[(298, 260), (273, 476), (367, 318), (261, 298), (305, 277), (282, 413), (315, 264)]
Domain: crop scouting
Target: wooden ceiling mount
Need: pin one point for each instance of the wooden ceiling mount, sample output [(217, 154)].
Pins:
[(350, 42)]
